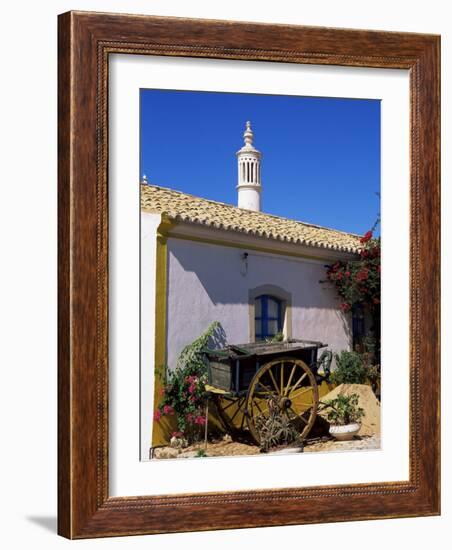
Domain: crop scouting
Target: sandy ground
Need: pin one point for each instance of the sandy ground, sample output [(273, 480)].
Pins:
[(358, 444), (227, 447), (368, 438)]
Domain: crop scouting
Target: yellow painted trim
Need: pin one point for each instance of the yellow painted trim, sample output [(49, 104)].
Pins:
[(255, 248), (162, 429)]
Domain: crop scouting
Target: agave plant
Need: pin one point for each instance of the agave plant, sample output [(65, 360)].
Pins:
[(276, 428)]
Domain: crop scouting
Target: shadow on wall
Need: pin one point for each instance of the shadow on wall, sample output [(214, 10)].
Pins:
[(49, 523), (346, 325), (222, 276)]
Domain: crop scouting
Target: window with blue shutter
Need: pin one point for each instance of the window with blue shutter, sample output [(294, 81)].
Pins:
[(267, 316)]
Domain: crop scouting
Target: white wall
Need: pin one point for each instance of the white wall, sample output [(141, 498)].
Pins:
[(149, 224), (209, 283), (28, 228)]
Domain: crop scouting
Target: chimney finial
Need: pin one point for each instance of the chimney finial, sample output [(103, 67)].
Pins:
[(249, 173), (248, 134)]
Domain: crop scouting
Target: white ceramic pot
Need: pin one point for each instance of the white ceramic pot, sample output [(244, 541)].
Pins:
[(345, 433)]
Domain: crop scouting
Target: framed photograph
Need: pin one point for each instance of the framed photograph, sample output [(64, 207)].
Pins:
[(248, 275)]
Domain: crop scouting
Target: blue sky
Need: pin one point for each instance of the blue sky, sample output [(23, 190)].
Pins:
[(321, 156)]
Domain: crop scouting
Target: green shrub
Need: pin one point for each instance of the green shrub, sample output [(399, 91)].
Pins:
[(350, 368), (184, 393)]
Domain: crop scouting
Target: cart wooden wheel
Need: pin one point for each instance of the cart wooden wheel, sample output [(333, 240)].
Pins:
[(290, 384), (231, 412)]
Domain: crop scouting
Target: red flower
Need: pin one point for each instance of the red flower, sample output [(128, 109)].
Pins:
[(362, 275), (339, 275), (347, 273), (157, 415), (345, 307), (192, 398), (190, 418), (177, 434), (167, 409), (367, 236), (191, 388), (201, 420)]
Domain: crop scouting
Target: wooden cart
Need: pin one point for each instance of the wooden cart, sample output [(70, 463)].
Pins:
[(245, 379)]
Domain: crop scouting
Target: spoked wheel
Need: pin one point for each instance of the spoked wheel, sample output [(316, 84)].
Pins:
[(288, 384), (231, 412)]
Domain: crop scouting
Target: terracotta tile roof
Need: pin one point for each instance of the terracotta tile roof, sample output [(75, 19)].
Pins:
[(180, 206)]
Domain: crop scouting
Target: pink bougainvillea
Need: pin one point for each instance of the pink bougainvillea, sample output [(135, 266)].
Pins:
[(200, 420), (358, 281)]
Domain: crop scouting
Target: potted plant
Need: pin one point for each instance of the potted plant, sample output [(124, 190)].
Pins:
[(344, 416)]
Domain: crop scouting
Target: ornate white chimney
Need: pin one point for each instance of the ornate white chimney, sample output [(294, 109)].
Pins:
[(249, 177)]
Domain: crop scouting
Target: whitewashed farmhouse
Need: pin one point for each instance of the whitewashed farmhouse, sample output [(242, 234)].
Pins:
[(258, 274)]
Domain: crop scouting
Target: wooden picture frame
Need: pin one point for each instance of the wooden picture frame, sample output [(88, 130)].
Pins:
[(86, 40)]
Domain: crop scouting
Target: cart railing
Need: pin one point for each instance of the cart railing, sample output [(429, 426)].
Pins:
[(232, 368)]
